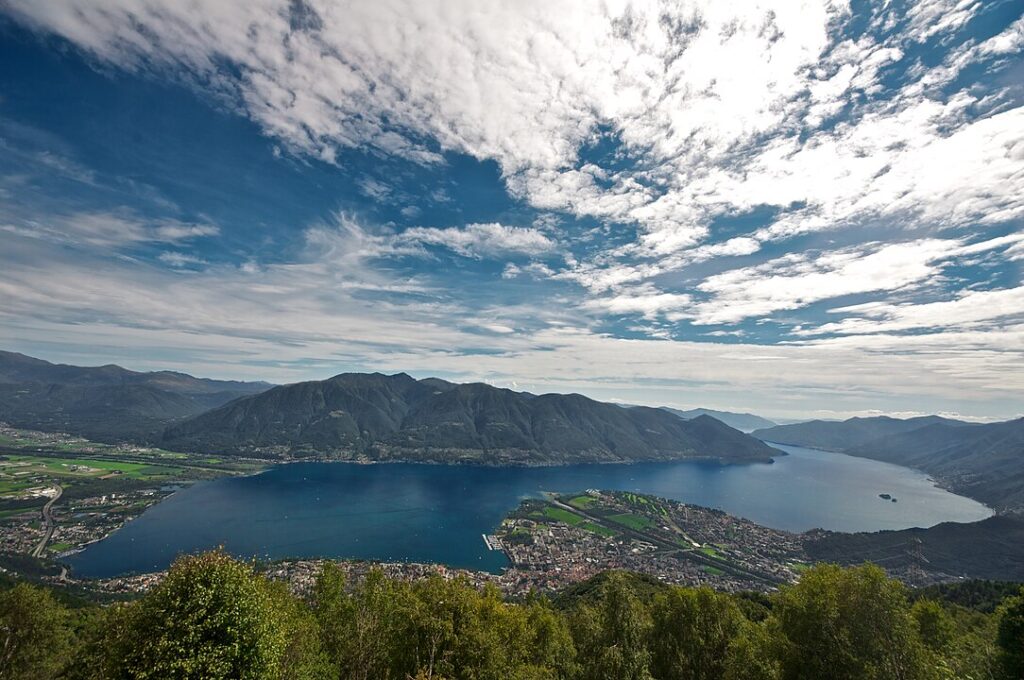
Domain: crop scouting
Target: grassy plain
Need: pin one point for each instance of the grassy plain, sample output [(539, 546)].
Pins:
[(636, 522)]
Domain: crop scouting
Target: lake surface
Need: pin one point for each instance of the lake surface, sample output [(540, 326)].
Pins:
[(437, 513)]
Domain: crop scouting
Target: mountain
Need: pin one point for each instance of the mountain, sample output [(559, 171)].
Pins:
[(105, 402), (991, 549), (981, 460), (744, 422), (395, 417), (844, 435)]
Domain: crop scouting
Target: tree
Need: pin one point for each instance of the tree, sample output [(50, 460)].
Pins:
[(1011, 637), (848, 624), (304, 657), (693, 629), (754, 653), (933, 624), (212, 617), (551, 647), (611, 637), (34, 637), (365, 632)]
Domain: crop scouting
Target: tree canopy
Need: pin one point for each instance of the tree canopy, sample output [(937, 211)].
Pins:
[(216, 617)]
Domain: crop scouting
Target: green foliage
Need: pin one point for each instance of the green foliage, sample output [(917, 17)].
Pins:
[(612, 636), (304, 657), (850, 624), (436, 628), (1011, 636), (977, 594), (693, 629), (933, 624), (210, 618), (214, 617), (34, 634), (755, 654)]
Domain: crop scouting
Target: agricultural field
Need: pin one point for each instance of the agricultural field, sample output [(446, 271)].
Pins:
[(630, 521), (73, 468), (100, 486)]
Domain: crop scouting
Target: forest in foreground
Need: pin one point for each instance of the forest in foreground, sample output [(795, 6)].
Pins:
[(217, 617)]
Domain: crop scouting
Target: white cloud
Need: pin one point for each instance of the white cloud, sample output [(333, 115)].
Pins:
[(643, 300), (966, 310), (709, 96), (794, 281), (108, 229), (346, 238), (717, 110), (373, 188), (176, 259), (534, 269), (789, 282), (481, 240)]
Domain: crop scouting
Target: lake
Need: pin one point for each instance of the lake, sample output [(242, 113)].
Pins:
[(437, 513)]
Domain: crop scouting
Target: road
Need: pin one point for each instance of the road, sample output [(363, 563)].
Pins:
[(48, 523), (667, 547)]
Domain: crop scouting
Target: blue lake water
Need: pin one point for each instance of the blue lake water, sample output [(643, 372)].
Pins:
[(437, 513)]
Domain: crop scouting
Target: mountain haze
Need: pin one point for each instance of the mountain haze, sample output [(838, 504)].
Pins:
[(391, 417), (843, 435), (981, 460), (105, 402), (744, 422)]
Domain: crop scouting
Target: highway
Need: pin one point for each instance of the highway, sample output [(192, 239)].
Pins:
[(48, 523)]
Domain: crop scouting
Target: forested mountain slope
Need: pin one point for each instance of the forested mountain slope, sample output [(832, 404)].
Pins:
[(397, 417)]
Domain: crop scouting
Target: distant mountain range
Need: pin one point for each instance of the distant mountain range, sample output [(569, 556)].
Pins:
[(105, 402), (396, 417), (981, 460), (990, 549), (744, 422)]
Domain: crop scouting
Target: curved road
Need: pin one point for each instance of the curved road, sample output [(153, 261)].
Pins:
[(48, 523)]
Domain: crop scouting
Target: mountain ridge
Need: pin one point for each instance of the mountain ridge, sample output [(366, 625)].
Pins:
[(108, 402), (982, 460), (744, 422), (379, 417)]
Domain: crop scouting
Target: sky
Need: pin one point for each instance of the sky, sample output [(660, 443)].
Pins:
[(796, 208)]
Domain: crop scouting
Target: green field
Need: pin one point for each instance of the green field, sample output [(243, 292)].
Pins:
[(597, 529), (635, 522), (713, 570), (710, 552), (62, 467), (4, 514), (572, 519), (582, 502), (563, 515), (13, 485)]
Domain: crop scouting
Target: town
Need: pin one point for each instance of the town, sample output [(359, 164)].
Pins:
[(561, 540)]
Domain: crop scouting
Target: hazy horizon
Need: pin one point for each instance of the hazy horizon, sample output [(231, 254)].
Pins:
[(781, 417)]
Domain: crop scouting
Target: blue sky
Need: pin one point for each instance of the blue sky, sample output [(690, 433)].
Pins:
[(794, 208)]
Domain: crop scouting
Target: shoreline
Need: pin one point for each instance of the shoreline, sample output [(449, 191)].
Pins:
[(938, 481), (491, 540), (505, 464)]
